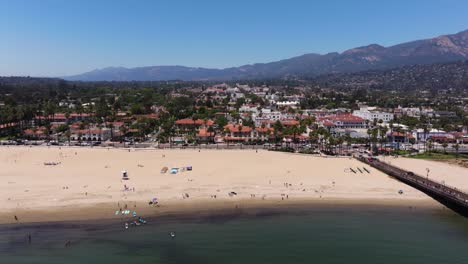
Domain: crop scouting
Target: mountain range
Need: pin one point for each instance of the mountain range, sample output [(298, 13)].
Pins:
[(445, 48)]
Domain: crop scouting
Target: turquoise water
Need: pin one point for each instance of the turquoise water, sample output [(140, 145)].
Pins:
[(349, 235)]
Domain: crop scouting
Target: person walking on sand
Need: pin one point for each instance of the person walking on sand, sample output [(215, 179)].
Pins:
[(16, 218)]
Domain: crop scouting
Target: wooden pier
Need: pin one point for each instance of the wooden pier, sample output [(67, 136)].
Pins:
[(451, 197)]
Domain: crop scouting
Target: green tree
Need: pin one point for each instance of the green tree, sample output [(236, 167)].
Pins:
[(221, 121), (278, 128), (445, 145)]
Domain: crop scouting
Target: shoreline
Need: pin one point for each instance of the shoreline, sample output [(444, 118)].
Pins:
[(87, 183), (195, 209)]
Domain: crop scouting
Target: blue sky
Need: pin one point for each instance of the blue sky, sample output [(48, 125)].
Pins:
[(63, 37)]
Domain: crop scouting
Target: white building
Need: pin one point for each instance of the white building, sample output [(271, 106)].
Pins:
[(92, 134), (248, 109), (371, 114), (288, 103)]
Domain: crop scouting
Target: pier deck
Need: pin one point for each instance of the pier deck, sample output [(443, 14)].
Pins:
[(451, 197)]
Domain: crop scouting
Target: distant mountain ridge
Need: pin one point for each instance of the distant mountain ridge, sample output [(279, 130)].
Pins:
[(437, 76), (445, 48)]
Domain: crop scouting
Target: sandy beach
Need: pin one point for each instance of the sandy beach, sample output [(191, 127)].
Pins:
[(87, 183), (450, 174)]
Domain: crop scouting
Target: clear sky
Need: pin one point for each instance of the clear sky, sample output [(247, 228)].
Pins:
[(64, 37)]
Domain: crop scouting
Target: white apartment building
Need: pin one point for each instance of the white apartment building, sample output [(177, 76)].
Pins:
[(371, 114), (92, 134), (287, 103), (248, 109)]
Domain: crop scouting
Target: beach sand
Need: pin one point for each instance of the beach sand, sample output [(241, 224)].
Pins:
[(87, 184), (451, 174)]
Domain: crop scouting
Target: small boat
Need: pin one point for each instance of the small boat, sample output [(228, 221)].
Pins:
[(359, 170), (352, 170), (366, 169)]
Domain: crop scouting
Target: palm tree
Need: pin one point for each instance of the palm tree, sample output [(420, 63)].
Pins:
[(391, 131), (68, 135), (426, 130), (50, 111), (445, 145), (383, 134), (313, 137), (211, 131), (110, 125), (456, 147), (79, 110), (429, 144), (369, 134), (123, 129), (278, 127), (227, 132), (67, 116), (339, 142), (374, 133), (348, 141)]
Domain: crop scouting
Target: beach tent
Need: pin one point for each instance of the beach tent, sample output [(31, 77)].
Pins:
[(189, 168), (174, 170), (164, 169)]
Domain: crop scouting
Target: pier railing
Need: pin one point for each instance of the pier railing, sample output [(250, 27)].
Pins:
[(429, 186)]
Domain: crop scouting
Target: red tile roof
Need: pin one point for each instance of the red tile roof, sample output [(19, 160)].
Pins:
[(188, 121), (204, 133), (342, 118), (30, 132), (264, 129), (290, 122), (235, 128)]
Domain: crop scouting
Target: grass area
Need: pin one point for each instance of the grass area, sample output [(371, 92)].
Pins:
[(401, 152), (438, 156)]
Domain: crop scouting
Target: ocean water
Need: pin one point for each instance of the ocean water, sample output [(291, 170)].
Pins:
[(344, 235)]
